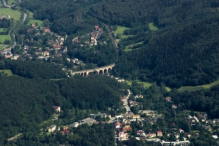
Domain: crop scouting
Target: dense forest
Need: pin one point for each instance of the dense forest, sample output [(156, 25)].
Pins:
[(66, 16), (96, 135), (33, 69), (26, 103), (206, 101), (186, 55)]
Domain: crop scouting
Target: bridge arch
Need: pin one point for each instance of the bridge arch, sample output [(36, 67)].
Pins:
[(100, 70)]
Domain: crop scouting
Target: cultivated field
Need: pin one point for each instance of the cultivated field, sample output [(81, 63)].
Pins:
[(13, 13)]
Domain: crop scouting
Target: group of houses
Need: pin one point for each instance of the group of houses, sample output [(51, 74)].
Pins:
[(94, 36)]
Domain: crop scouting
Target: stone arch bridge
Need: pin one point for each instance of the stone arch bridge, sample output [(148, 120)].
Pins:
[(99, 70)]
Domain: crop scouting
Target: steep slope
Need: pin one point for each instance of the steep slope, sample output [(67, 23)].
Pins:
[(187, 55)]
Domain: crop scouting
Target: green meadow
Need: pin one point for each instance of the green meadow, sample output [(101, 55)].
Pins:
[(32, 20), (4, 37), (120, 29), (12, 13), (200, 87), (3, 29), (3, 46), (152, 26), (7, 72), (11, 1)]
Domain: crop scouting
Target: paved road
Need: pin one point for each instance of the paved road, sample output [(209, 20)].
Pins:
[(126, 102), (25, 17), (4, 3)]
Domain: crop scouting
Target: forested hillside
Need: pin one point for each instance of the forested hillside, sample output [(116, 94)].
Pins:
[(66, 16), (25, 103), (33, 69), (163, 13), (186, 55)]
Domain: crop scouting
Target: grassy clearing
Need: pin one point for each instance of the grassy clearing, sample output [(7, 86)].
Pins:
[(3, 46), (11, 1), (152, 26), (32, 20), (121, 29), (126, 36), (13, 13), (195, 88), (3, 29), (39, 22), (145, 84), (168, 89), (7, 72), (4, 37), (129, 47)]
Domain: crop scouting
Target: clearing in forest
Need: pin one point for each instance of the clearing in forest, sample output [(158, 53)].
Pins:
[(120, 29), (7, 72), (12, 13), (152, 26), (32, 20), (200, 87), (4, 37)]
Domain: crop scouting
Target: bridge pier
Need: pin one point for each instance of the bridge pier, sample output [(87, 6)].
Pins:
[(100, 70)]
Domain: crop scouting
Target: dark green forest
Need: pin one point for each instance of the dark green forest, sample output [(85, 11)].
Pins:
[(188, 55), (33, 69), (25, 103), (96, 135)]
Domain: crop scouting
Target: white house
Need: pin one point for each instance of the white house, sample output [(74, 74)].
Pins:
[(52, 128)]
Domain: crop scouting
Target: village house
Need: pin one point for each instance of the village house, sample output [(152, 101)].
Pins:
[(151, 135), (159, 133), (75, 124), (57, 47), (45, 53), (132, 103), (177, 136), (136, 116), (138, 96), (117, 125), (46, 30), (188, 135), (51, 128), (126, 128), (147, 112), (123, 98), (181, 131), (174, 106), (123, 136), (141, 133), (168, 99), (57, 108), (15, 57), (65, 131), (96, 27), (88, 121), (129, 115)]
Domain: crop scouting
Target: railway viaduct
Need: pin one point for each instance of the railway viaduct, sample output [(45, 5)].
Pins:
[(100, 70)]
